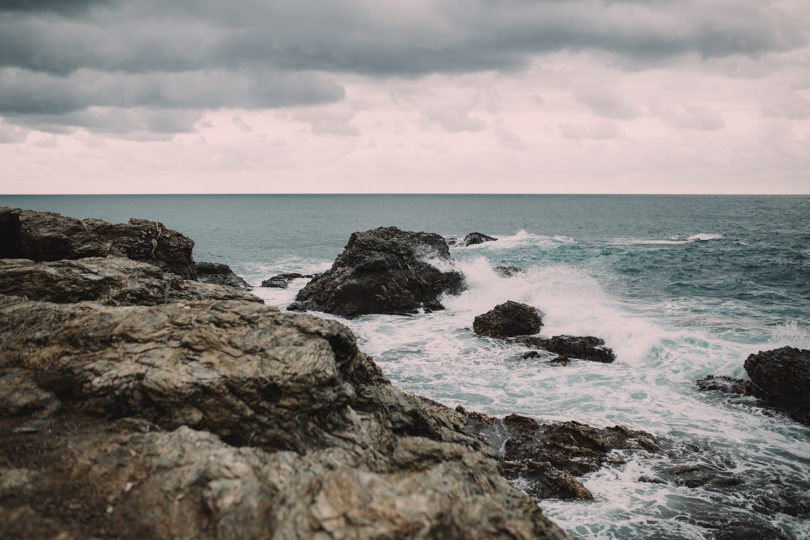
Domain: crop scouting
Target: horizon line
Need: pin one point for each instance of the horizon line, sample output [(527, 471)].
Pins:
[(396, 194)]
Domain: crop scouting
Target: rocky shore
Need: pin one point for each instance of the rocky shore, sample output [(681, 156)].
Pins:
[(139, 404)]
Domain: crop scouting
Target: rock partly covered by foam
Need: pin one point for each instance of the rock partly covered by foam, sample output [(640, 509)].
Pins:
[(476, 238), (282, 281), (546, 458), (219, 274), (507, 320), (384, 270), (46, 236), (781, 377), (582, 347), (110, 280)]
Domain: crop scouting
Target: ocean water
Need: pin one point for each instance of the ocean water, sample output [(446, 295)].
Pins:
[(679, 286)]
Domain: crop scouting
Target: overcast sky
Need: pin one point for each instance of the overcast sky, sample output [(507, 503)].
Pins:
[(468, 96)]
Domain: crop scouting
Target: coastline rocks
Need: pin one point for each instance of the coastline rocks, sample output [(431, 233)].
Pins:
[(110, 281), (219, 274), (546, 458), (384, 270), (508, 271), (282, 281), (582, 347), (781, 377), (46, 236), (507, 320), (727, 385), (10, 241), (295, 431), (475, 238)]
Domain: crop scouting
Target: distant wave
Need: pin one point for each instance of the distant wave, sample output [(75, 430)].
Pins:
[(521, 238), (700, 237)]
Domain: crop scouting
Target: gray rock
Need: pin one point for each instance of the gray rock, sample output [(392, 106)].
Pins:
[(476, 238), (111, 281), (508, 319), (384, 270), (46, 236), (219, 274), (583, 347), (282, 281), (781, 377)]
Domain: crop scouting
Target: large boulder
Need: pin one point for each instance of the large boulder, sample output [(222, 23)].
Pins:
[(46, 236), (476, 238), (582, 347), (296, 433), (781, 377), (384, 270), (507, 320), (111, 281), (219, 274)]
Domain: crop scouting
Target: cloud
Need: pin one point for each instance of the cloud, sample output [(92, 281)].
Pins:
[(601, 129), (62, 57), (11, 134)]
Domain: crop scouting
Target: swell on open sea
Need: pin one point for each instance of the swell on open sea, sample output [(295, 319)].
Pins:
[(679, 286)]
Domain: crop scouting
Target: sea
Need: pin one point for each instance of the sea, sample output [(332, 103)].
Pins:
[(679, 287)]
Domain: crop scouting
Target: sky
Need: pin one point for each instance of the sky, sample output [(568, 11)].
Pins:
[(404, 96)]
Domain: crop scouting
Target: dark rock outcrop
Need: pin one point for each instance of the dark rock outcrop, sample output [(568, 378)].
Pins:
[(46, 236), (507, 320), (384, 270), (10, 236), (282, 281), (781, 377), (582, 347), (219, 274), (727, 385), (476, 238), (548, 457), (111, 281)]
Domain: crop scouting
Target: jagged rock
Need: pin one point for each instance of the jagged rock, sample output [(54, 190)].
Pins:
[(781, 377), (725, 384), (508, 319), (219, 274), (327, 447), (476, 238), (111, 281), (508, 271), (282, 281), (584, 347), (46, 236), (547, 457), (384, 270)]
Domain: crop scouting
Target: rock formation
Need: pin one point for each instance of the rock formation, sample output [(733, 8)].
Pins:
[(507, 320), (781, 377), (582, 347), (476, 238), (384, 270), (282, 281), (111, 281), (46, 236), (219, 274)]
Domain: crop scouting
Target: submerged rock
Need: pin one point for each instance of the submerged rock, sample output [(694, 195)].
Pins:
[(582, 347), (46, 236), (725, 384), (508, 319), (476, 238), (781, 377), (282, 281), (384, 270), (508, 271), (111, 281), (219, 274)]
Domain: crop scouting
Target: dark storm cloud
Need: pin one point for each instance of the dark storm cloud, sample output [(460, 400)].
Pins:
[(59, 60)]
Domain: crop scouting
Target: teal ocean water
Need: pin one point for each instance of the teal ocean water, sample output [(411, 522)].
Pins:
[(679, 286)]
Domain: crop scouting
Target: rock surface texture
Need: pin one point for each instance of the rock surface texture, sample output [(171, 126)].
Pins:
[(476, 238), (781, 377), (507, 320), (582, 347), (384, 270), (46, 236), (197, 417), (219, 274), (111, 281), (282, 281)]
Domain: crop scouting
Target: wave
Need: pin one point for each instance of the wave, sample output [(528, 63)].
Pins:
[(700, 237), (521, 238)]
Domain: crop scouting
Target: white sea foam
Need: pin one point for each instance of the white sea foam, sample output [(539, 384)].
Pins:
[(701, 237), (520, 239)]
